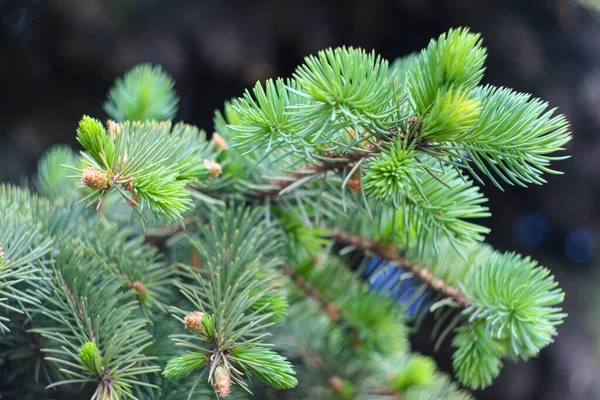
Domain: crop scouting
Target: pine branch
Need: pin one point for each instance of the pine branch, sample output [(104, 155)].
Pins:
[(233, 292), (326, 163), (332, 311), (388, 252), (347, 137)]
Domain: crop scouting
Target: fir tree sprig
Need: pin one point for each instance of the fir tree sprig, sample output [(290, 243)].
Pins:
[(348, 159), (23, 249), (97, 337), (239, 254), (147, 163), (514, 136), (146, 92), (506, 301), (371, 322), (388, 252)]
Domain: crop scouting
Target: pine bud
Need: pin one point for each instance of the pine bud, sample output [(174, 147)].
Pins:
[(193, 322), (222, 381), (90, 357), (94, 179), (214, 167), (219, 141), (112, 128), (354, 183), (343, 388), (336, 384), (141, 291)]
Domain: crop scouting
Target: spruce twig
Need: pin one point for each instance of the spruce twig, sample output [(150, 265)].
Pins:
[(389, 253)]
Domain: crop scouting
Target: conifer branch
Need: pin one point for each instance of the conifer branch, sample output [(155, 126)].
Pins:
[(348, 151), (389, 253), (332, 311), (326, 163)]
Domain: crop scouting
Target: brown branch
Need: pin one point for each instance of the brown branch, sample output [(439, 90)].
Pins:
[(321, 167), (332, 311), (389, 253)]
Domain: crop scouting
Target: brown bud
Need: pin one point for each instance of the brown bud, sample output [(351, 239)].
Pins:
[(219, 141), (112, 128), (94, 179), (222, 381), (141, 291), (196, 261), (354, 183), (214, 167), (139, 287), (193, 322), (333, 312), (388, 250), (134, 201), (336, 385)]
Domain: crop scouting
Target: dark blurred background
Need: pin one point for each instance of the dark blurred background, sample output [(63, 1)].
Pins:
[(59, 57)]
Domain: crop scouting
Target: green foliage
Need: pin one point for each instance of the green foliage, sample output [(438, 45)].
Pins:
[(90, 357), (400, 67), (452, 114), (53, 178), (263, 121), (346, 85), (417, 371), (139, 268), (239, 252), (146, 92), (147, 163), (388, 178), (92, 136), (518, 300), (80, 311), (270, 367), (476, 360), (438, 203), (262, 236), (180, 367), (371, 322), (23, 248), (454, 60), (192, 151), (514, 137), (441, 388), (274, 304)]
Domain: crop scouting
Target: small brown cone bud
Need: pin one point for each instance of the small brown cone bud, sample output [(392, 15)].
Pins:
[(336, 385), (333, 313), (94, 179), (139, 287), (112, 128), (196, 262), (193, 322), (214, 167), (220, 142), (354, 183), (140, 290), (222, 381)]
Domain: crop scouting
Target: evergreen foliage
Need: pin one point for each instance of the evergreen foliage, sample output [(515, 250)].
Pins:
[(292, 251)]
